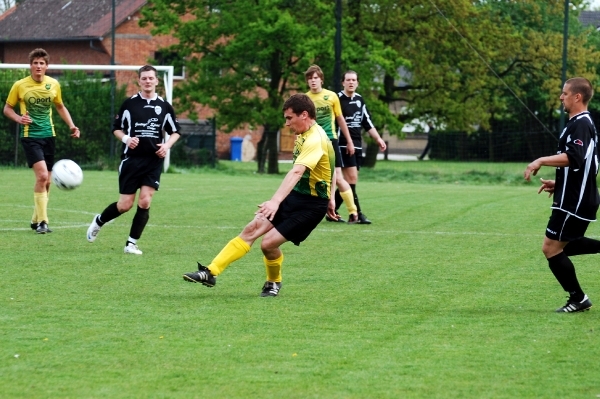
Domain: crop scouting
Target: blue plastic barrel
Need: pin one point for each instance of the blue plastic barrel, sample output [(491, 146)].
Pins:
[(236, 148)]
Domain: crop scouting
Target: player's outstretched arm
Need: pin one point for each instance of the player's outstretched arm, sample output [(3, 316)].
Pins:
[(559, 160)]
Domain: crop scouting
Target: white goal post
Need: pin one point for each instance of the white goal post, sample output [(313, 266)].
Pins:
[(167, 80)]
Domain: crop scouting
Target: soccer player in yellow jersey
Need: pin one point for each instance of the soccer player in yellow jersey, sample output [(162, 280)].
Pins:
[(296, 208), (35, 95), (329, 112)]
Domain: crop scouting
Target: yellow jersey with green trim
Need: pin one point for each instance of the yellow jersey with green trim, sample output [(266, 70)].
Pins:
[(328, 108), (313, 149), (36, 98)]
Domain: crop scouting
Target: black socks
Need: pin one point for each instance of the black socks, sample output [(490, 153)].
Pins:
[(139, 222), (564, 271), (111, 212), (582, 246)]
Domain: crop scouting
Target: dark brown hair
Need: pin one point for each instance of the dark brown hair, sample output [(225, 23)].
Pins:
[(581, 86), (312, 70), (39, 53), (299, 103), (147, 68)]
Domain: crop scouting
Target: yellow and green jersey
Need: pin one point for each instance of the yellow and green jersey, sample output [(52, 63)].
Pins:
[(36, 98), (313, 149), (328, 108)]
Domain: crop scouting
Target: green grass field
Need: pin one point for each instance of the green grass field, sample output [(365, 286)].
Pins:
[(446, 295)]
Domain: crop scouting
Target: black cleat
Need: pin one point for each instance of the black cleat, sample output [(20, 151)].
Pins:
[(43, 228), (270, 289), (353, 218), (362, 219), (576, 306), (338, 220), (202, 276), (34, 226)]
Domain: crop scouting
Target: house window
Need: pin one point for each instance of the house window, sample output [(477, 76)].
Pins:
[(171, 58)]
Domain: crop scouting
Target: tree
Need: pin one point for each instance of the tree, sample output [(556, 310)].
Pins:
[(244, 57), (461, 64), (467, 60)]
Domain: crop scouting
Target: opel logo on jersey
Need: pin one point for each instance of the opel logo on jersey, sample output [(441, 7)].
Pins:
[(158, 109)]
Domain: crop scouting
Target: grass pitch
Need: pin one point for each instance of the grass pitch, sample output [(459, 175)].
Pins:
[(445, 295)]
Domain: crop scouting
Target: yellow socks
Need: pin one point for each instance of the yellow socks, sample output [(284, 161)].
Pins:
[(41, 206), (273, 269), (234, 250), (34, 218), (348, 198)]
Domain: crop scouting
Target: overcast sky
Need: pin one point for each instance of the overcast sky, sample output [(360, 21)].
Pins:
[(595, 5)]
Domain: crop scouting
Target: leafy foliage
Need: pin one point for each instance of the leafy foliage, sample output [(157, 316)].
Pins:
[(463, 65)]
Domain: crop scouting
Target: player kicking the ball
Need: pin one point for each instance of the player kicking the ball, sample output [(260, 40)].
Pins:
[(296, 208)]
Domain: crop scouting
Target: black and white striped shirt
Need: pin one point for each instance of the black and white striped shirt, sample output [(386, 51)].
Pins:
[(147, 120), (575, 190), (357, 118)]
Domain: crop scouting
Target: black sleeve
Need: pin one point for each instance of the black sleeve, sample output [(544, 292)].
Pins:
[(580, 140), (119, 122), (366, 121)]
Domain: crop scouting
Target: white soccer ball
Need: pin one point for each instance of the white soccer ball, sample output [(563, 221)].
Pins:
[(67, 175)]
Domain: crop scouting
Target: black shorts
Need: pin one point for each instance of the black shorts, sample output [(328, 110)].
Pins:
[(39, 150), (348, 160), (298, 215), (338, 153), (565, 227), (136, 172)]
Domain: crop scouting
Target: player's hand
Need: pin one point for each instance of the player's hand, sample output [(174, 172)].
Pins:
[(268, 209), (382, 145), (547, 186), (331, 209), (133, 142), (531, 169), (75, 132), (162, 150), (350, 148), (25, 119)]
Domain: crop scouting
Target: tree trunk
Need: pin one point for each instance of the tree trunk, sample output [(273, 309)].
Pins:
[(492, 154), (273, 167), (267, 151), (261, 153)]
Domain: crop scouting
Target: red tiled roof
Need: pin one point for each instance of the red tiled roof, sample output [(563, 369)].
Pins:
[(67, 20)]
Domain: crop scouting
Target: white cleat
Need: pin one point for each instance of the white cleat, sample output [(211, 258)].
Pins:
[(93, 230), (131, 248)]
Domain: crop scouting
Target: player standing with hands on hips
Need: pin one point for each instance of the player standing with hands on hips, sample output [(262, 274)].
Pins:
[(575, 194), (140, 125), (35, 95)]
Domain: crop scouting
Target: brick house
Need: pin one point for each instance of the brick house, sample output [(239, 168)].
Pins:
[(80, 32)]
